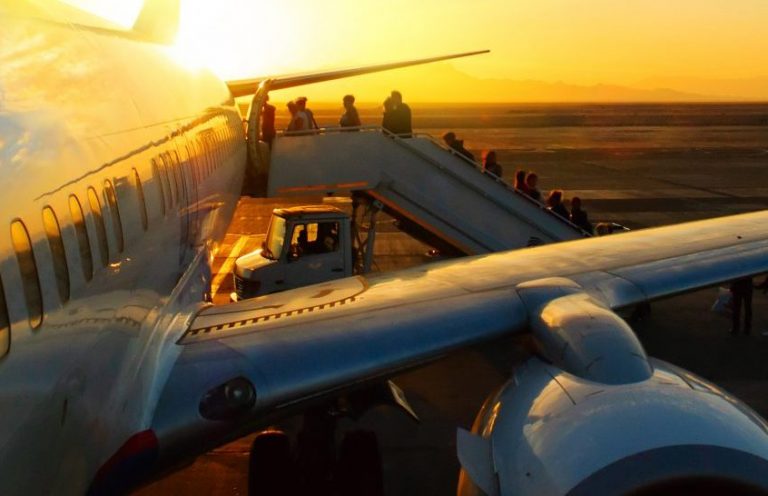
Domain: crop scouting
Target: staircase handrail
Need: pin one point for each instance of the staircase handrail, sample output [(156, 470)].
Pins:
[(402, 140)]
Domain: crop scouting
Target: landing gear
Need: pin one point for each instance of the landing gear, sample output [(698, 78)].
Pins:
[(270, 467), (316, 462), (314, 466), (359, 466)]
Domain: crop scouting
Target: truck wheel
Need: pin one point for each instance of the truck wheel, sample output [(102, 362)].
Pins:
[(359, 469), (270, 467)]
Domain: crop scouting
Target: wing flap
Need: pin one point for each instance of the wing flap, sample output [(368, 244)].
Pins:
[(307, 358)]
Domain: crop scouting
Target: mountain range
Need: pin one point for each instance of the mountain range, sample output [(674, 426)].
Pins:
[(444, 83)]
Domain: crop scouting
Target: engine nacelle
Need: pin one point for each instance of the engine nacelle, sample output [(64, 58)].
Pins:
[(547, 432)]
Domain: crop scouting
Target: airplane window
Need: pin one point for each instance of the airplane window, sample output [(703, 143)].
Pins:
[(167, 178), (83, 243), (172, 175), (32, 293), (180, 177), (59, 256), (109, 194), (216, 149), (203, 157), (98, 221), (160, 184), (208, 145), (207, 153), (142, 202), (192, 170), (179, 181), (5, 327), (166, 184)]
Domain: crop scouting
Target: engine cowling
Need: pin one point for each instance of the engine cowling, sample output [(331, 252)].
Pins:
[(547, 432)]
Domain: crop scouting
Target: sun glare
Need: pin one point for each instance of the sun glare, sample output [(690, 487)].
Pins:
[(234, 39), (693, 47)]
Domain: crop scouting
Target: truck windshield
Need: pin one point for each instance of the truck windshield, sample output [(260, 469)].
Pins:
[(273, 245)]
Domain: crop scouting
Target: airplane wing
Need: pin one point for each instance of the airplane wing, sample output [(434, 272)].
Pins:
[(245, 87), (243, 365)]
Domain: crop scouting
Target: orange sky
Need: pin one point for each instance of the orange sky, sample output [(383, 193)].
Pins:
[(642, 44)]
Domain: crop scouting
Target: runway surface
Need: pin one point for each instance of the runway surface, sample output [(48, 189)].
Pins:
[(639, 186)]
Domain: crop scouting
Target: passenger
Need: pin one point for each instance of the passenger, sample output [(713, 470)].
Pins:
[(350, 118), (555, 203), (329, 233), (298, 119), (400, 116), (386, 121), (301, 102), (302, 245), (491, 165), (579, 216), (267, 122), (520, 181), (531, 180), (457, 145), (741, 289)]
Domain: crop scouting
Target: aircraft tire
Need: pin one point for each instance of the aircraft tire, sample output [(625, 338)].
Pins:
[(270, 466), (359, 470)]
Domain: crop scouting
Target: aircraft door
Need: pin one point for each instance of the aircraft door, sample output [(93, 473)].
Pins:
[(314, 254)]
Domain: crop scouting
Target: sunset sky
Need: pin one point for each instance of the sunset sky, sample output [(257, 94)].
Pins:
[(680, 44)]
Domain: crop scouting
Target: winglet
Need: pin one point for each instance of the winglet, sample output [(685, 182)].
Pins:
[(158, 21)]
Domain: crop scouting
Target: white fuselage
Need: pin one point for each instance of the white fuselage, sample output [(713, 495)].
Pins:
[(111, 127)]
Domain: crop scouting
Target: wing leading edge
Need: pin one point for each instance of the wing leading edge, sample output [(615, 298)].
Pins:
[(244, 87), (296, 346)]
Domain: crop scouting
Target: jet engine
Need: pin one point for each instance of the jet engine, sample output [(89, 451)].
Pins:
[(549, 432)]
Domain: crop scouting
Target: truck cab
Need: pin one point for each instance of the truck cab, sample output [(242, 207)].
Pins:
[(304, 245)]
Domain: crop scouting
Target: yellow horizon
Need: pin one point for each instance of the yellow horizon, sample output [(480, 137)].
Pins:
[(690, 46)]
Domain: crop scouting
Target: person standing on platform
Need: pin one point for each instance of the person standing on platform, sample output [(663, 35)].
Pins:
[(741, 290), (400, 123), (350, 118), (386, 120), (298, 119), (268, 122), (301, 102)]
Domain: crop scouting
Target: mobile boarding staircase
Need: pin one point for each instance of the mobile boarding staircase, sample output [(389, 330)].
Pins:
[(436, 194)]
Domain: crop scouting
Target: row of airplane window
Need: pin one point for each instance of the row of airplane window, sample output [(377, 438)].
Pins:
[(169, 173)]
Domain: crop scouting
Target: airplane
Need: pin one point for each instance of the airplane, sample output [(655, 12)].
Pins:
[(121, 171)]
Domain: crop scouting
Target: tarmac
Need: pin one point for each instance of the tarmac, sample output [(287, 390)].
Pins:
[(640, 187)]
